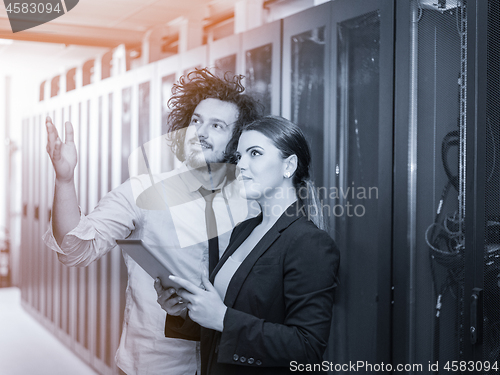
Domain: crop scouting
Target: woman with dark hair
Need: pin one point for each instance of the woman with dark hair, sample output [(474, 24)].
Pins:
[(269, 309)]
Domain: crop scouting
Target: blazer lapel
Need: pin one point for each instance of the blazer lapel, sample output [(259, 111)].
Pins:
[(288, 217), (244, 233)]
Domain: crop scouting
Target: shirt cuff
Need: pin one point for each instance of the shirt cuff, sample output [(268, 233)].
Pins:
[(83, 231)]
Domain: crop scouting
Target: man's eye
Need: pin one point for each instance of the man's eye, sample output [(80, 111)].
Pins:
[(237, 157), (217, 126), (194, 121)]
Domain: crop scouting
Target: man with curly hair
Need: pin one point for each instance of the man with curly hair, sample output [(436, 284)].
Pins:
[(166, 211)]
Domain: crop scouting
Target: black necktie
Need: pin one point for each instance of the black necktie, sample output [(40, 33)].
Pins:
[(213, 240)]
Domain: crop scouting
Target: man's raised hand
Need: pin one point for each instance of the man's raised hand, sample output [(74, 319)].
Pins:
[(62, 155)]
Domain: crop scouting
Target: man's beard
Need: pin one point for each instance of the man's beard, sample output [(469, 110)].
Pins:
[(195, 159), (199, 153)]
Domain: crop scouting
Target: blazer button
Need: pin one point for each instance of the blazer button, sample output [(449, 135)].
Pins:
[(236, 357), (251, 361), (242, 359), (258, 362)]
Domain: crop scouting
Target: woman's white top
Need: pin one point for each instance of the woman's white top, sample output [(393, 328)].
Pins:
[(225, 275)]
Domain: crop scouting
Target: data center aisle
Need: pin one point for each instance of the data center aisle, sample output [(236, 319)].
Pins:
[(26, 347)]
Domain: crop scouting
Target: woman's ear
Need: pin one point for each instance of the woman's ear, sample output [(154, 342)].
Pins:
[(290, 164)]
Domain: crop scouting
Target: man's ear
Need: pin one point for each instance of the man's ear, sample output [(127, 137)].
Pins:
[(290, 164)]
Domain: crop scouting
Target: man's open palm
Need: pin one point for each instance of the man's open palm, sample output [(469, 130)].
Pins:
[(63, 155)]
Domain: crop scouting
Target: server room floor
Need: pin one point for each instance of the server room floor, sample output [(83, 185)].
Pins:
[(26, 347)]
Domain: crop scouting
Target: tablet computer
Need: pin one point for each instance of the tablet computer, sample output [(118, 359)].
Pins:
[(149, 260)]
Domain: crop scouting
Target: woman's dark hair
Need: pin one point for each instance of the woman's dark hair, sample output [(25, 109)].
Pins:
[(199, 85), (289, 139)]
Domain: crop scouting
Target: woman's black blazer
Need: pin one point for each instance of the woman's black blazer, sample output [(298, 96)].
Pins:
[(280, 301)]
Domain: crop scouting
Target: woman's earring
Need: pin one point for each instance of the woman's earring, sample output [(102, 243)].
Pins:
[(287, 175)]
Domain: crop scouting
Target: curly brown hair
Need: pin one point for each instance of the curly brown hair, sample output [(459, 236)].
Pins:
[(199, 85)]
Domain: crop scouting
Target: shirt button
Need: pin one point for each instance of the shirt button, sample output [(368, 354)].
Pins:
[(251, 361), (243, 359), (258, 362), (236, 357)]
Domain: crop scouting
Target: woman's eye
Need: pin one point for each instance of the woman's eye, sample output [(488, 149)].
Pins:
[(254, 153), (217, 126), (194, 121)]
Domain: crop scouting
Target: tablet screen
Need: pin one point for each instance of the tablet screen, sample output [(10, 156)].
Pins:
[(149, 260)]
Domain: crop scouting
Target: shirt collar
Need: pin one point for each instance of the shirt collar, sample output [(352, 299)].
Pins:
[(192, 183)]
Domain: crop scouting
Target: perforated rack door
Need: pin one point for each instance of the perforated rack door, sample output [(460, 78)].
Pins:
[(482, 233), (491, 259)]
